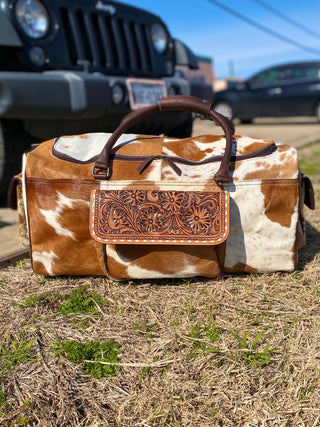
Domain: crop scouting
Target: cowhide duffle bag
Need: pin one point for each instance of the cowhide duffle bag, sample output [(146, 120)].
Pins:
[(136, 206)]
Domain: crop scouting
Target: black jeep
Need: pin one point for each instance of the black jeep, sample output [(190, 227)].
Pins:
[(69, 67)]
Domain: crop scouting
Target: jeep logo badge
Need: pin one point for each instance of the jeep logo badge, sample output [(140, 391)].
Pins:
[(105, 7)]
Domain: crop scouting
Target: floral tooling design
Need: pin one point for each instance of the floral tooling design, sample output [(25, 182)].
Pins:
[(153, 216)]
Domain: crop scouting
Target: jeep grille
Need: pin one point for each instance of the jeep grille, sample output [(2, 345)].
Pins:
[(110, 43)]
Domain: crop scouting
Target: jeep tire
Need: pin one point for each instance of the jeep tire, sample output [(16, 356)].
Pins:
[(14, 141)]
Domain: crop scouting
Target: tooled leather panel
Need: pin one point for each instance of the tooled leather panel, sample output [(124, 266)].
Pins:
[(159, 217)]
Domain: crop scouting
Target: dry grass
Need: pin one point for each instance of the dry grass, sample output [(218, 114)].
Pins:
[(185, 360)]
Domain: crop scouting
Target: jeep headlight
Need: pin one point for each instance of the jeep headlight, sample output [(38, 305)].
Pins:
[(159, 38), (32, 17)]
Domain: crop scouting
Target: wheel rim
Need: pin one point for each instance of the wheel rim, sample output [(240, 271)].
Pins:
[(225, 109)]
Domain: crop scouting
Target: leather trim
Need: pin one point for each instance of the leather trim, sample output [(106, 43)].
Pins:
[(109, 275), (309, 199), (159, 217), (12, 201), (260, 152), (66, 181)]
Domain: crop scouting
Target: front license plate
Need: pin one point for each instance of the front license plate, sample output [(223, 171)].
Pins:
[(145, 92)]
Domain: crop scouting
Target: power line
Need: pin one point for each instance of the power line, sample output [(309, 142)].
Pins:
[(265, 29), (287, 18)]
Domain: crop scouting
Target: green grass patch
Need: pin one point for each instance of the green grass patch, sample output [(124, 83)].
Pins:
[(207, 332), (20, 264), (78, 301), (42, 299), (82, 301), (309, 167), (90, 354), (248, 353), (14, 353), (212, 332)]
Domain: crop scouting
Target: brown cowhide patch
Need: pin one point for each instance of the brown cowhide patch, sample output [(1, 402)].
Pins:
[(280, 201)]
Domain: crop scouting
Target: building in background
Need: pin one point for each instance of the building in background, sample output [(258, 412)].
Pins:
[(204, 73), (206, 68)]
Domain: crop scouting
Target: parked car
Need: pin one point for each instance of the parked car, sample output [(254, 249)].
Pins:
[(68, 67), (280, 91)]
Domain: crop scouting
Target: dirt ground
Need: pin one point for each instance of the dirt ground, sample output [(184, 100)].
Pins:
[(241, 351)]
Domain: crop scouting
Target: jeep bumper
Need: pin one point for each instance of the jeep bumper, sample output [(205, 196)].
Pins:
[(73, 95)]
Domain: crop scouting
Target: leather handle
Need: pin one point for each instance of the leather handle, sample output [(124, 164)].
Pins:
[(175, 102), (189, 103)]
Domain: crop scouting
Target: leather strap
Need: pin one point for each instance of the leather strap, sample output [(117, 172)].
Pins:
[(176, 102)]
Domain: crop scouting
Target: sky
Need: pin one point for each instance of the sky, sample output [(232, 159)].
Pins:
[(236, 48)]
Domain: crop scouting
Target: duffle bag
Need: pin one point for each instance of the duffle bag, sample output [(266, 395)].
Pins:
[(130, 206)]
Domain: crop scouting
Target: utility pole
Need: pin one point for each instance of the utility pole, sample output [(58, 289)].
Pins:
[(231, 68)]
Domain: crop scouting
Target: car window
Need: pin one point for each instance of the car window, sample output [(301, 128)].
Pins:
[(266, 77), (283, 74), (301, 73), (312, 72), (287, 74), (276, 76)]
